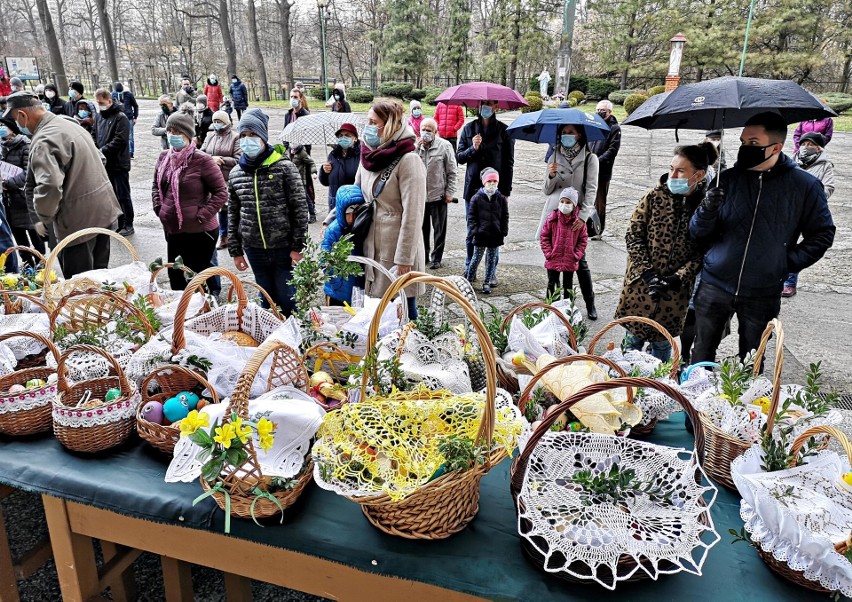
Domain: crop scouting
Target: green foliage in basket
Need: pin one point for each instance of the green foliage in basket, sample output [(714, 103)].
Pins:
[(741, 535), (617, 485), (314, 270), (493, 322), (428, 324), (384, 375), (460, 453), (735, 377)]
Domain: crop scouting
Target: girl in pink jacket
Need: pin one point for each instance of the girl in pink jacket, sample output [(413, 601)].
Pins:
[(563, 242)]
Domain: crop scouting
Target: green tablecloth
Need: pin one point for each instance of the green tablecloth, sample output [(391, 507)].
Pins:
[(485, 559)]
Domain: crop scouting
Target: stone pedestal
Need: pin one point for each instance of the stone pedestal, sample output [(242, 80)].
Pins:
[(672, 82)]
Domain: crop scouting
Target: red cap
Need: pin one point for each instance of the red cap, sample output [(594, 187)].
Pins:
[(347, 127)]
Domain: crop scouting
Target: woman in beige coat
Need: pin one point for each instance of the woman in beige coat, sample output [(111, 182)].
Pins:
[(224, 146), (393, 179)]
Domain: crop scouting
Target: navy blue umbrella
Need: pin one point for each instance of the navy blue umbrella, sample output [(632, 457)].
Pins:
[(728, 102), (542, 126)]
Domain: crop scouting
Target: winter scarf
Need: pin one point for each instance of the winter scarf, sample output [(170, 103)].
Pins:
[(569, 153), (379, 158), (173, 167)]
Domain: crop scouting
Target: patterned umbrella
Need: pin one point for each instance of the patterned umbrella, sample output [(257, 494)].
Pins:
[(319, 128)]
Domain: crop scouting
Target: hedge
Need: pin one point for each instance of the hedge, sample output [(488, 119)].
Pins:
[(359, 95), (839, 101), (656, 90), (617, 97), (431, 94), (396, 89), (535, 103), (577, 95), (317, 92), (600, 88), (633, 102)]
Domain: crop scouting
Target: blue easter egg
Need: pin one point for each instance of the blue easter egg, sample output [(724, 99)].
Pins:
[(190, 398), (175, 409)]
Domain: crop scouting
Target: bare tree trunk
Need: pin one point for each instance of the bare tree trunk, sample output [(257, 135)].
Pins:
[(227, 39), (516, 37), (52, 45), (255, 43), (109, 41), (286, 42)]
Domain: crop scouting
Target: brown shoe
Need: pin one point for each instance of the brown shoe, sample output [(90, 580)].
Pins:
[(223, 243), (788, 291)]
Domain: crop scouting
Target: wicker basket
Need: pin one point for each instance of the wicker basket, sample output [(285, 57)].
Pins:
[(175, 295), (95, 307), (641, 430), (28, 412), (336, 360), (91, 430), (627, 564), (447, 504), (721, 448), (54, 292), (506, 376), (240, 481), (171, 380), (12, 301), (262, 292)]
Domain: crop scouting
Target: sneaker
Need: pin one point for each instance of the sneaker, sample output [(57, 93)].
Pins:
[(126, 231), (312, 219), (788, 291), (493, 282), (486, 290)]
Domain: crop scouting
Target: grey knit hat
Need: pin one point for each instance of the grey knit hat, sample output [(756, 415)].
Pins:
[(201, 99), (182, 123), (255, 121)]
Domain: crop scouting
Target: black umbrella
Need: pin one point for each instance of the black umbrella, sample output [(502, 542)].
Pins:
[(727, 102)]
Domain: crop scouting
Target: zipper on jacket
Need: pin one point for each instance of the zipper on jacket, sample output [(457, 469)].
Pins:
[(750, 231), (257, 208)]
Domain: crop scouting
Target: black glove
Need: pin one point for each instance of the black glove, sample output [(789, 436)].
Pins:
[(655, 284), (714, 199), (672, 283)]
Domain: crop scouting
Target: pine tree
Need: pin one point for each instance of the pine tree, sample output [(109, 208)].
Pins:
[(457, 52), (406, 50)]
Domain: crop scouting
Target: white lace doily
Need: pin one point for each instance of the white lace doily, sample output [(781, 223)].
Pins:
[(296, 417), (655, 405), (27, 400), (104, 414), (437, 363), (799, 514), (585, 536), (24, 346)]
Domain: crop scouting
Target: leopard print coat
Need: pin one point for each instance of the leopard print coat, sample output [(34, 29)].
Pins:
[(658, 239)]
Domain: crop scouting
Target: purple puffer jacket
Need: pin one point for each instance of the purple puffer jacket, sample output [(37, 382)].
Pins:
[(820, 126), (203, 192)]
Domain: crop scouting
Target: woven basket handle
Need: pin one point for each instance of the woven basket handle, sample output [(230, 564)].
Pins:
[(522, 402), (178, 335), (773, 326), (180, 370), (648, 322), (820, 430), (486, 427), (559, 315), (239, 400), (379, 267), (602, 387), (115, 300), (62, 383), (41, 258), (33, 335), (272, 307), (7, 300), (54, 254), (327, 353), (170, 266)]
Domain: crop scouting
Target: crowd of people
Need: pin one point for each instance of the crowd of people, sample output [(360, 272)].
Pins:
[(706, 242)]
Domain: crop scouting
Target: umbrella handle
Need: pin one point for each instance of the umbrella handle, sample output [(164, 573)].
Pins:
[(721, 150)]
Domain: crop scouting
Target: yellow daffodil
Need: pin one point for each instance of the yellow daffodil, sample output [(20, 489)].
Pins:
[(39, 277), (224, 435), (193, 421), (266, 442), (265, 427), (241, 430)]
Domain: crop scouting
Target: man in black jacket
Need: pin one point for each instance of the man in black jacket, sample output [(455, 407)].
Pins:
[(112, 137), (606, 150), (127, 100), (750, 225), (484, 142)]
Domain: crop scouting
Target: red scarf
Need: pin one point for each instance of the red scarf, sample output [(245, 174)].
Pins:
[(378, 159)]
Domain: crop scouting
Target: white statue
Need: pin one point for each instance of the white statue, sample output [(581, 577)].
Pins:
[(543, 80)]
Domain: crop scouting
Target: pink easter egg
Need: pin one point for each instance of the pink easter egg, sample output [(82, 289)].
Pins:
[(153, 412)]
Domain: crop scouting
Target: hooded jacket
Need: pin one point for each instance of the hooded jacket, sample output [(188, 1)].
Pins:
[(563, 247), (343, 169), (57, 105), (224, 144), (239, 94), (496, 151), (341, 106), (159, 128), (213, 92), (341, 288), (16, 151), (488, 219), (127, 101), (112, 134), (267, 208), (202, 194), (753, 236)]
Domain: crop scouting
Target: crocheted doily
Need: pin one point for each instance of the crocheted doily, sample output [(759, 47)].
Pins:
[(655, 405)]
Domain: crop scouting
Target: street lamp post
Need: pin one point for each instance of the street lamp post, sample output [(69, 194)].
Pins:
[(675, 57), (323, 5)]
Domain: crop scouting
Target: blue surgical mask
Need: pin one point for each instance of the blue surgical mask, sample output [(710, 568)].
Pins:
[(568, 140), (371, 135), (4, 131), (344, 142), (218, 126), (251, 146), (83, 114), (73, 94), (486, 112), (417, 112), (294, 102), (678, 185), (176, 141)]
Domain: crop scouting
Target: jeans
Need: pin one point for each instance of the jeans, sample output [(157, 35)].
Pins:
[(272, 271), (7, 241), (792, 279), (436, 217), (132, 144), (223, 222), (567, 283), (196, 249), (82, 257), (120, 181), (661, 350), (491, 258), (412, 307), (714, 307)]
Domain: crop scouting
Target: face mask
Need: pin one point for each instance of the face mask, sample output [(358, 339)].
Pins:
[(566, 208), (294, 102), (218, 126), (751, 156), (678, 185), (4, 131), (176, 141), (45, 106), (73, 94), (233, 81), (337, 97), (344, 142), (490, 188), (808, 152), (200, 108), (371, 135), (251, 146), (602, 114), (568, 140), (213, 80), (166, 109), (486, 112), (102, 108), (50, 94), (417, 112), (716, 143), (187, 89), (83, 113), (428, 136)]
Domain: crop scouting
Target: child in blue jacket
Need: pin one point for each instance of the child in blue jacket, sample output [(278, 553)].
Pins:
[(348, 199)]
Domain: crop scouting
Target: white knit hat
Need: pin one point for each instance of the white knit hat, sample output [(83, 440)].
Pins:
[(569, 193)]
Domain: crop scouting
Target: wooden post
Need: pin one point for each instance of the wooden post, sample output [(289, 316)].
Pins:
[(73, 554)]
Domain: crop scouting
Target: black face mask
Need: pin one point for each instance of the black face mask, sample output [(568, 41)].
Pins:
[(751, 156)]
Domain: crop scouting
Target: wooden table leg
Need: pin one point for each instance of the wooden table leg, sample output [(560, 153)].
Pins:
[(177, 580), (237, 588), (123, 588), (73, 554), (8, 583)]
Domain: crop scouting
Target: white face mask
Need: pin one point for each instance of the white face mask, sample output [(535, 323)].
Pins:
[(490, 188), (566, 208)]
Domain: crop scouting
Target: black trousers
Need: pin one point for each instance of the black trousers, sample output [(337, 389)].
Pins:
[(90, 255), (435, 218), (120, 181), (27, 237), (453, 141), (567, 283), (584, 277), (714, 307), (239, 113), (196, 249)]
